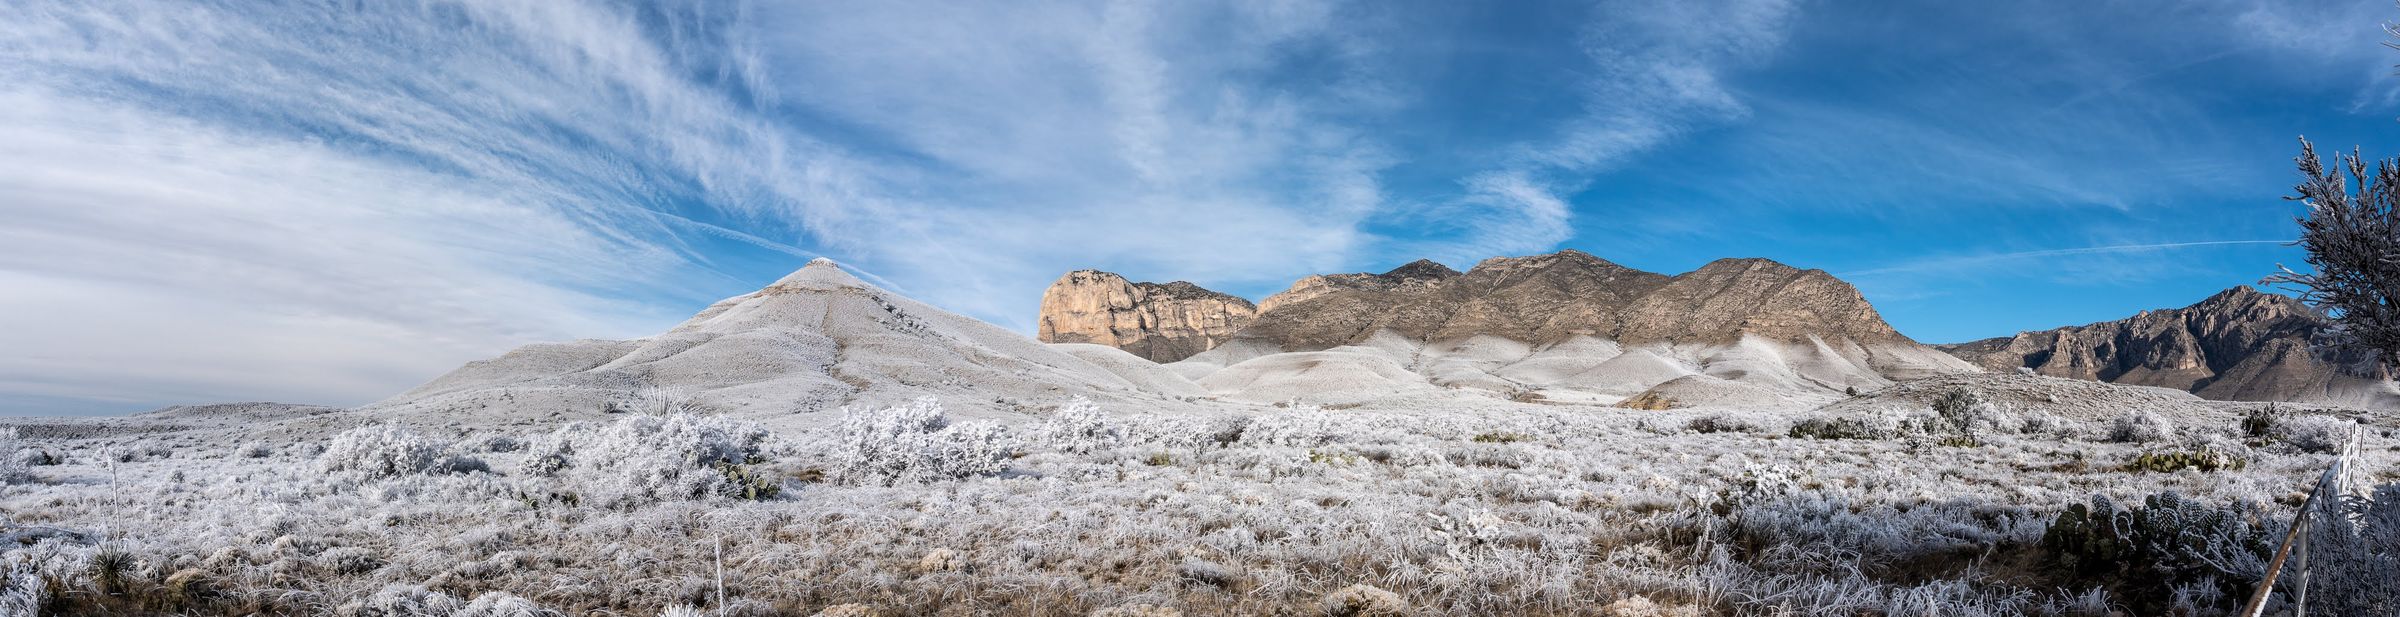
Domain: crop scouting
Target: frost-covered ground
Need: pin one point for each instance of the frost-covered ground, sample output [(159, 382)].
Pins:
[(1516, 509)]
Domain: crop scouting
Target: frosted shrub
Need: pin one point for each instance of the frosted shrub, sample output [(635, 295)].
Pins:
[(2140, 427), (1989, 418), (1080, 428), (2355, 556), (688, 440), (547, 455), (1300, 428), (1185, 431), (971, 449), (398, 600), (21, 589), (1363, 600), (38, 456), (1403, 455), (1963, 409), (12, 467), (645, 459), (2046, 424), (503, 604), (385, 451), (915, 443), (349, 560), (1722, 423), (494, 444), (1762, 482), (2319, 434), (138, 452), (1894, 424), (1640, 606), (1814, 531), (879, 446), (1207, 572), (1845, 427)]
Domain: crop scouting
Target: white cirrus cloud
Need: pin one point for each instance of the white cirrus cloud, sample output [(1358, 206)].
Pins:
[(328, 202)]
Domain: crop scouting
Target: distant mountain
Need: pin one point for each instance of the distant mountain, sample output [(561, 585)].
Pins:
[(1162, 322), (2237, 345), (813, 341), (1567, 327)]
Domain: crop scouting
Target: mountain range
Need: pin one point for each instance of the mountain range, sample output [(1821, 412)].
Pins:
[(1569, 326), (1560, 328), (2237, 345)]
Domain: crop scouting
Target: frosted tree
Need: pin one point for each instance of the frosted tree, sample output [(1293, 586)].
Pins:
[(2353, 243)]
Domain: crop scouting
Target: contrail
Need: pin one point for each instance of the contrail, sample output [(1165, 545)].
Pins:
[(739, 236), (1954, 262)]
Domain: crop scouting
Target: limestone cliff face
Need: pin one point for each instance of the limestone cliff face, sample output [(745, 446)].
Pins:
[(1161, 322), (2239, 344)]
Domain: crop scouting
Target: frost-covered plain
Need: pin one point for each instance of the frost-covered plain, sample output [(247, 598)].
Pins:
[(1516, 509)]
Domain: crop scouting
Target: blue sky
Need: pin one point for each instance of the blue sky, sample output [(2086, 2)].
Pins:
[(317, 202)]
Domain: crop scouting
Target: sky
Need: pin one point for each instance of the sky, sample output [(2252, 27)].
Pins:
[(331, 202)]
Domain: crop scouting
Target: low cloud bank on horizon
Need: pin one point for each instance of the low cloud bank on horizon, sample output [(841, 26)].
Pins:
[(332, 202)]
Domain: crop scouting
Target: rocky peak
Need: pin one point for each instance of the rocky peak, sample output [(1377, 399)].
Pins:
[(1163, 322), (2237, 344), (1536, 261), (820, 273), (1728, 298), (1416, 275), (1422, 269)]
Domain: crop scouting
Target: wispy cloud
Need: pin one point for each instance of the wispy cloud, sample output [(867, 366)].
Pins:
[(1654, 71), (152, 259), (2344, 39), (212, 201), (423, 183), (205, 195)]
